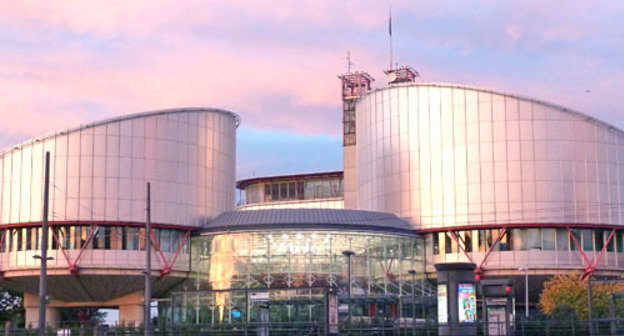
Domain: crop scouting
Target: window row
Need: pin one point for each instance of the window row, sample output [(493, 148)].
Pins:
[(523, 239), (296, 190), (104, 238)]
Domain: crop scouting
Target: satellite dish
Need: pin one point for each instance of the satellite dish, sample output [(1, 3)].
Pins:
[(391, 77)]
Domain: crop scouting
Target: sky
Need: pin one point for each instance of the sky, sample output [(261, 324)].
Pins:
[(275, 63)]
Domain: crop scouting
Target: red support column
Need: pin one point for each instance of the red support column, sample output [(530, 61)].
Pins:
[(590, 268), (501, 233), (4, 234), (168, 269), (73, 268), (58, 241), (459, 243), (578, 246)]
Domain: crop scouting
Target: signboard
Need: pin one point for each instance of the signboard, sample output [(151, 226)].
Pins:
[(258, 296), (442, 304), (466, 303)]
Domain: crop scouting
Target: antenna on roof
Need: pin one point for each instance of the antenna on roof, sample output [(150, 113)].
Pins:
[(349, 63)]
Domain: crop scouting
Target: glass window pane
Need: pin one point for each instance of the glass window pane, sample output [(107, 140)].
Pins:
[(436, 243), (548, 239), (520, 239), (562, 240), (467, 235), (610, 245), (574, 239), (588, 240), (619, 243), (448, 248), (599, 239), (535, 239)]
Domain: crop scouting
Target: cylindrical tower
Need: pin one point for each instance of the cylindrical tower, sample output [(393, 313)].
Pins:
[(97, 203), (496, 179)]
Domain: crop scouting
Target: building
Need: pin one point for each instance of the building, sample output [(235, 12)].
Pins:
[(97, 203), (500, 180), (322, 190), (276, 265)]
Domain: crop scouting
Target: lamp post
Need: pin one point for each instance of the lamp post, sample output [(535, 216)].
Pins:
[(348, 254), (526, 290), (413, 273)]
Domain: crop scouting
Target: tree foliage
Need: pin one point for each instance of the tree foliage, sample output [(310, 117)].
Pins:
[(567, 293), (11, 307)]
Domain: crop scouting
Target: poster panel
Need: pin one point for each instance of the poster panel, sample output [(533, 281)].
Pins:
[(442, 304), (466, 303)]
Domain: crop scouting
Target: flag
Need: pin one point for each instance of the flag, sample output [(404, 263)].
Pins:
[(390, 24)]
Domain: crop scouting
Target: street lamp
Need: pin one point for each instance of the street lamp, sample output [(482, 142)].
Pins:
[(413, 273), (348, 254), (526, 290)]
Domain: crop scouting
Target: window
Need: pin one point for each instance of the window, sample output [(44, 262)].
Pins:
[(467, 241), (506, 241), (482, 241), (619, 243), (610, 244), (520, 239), (574, 239), (436, 243), (274, 192), (535, 241), (588, 240), (548, 239), (448, 243), (267, 192), (562, 240)]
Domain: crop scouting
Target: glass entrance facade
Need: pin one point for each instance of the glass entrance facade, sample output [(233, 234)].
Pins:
[(292, 270)]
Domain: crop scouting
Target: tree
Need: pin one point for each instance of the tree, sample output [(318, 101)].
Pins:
[(568, 293), (11, 307)]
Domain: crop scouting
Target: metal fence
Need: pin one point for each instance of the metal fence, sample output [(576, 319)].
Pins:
[(521, 327)]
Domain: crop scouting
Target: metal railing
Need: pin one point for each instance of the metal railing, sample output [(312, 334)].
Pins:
[(521, 327)]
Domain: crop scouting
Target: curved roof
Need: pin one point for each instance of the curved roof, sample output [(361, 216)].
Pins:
[(309, 219), (241, 184), (502, 93), (126, 117)]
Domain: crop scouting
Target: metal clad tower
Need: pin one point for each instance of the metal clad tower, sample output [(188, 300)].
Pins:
[(97, 205), (354, 85), (500, 180)]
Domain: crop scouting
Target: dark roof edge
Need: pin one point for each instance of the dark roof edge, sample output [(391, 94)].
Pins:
[(308, 227)]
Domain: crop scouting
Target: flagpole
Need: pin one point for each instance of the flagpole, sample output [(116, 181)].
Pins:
[(390, 34)]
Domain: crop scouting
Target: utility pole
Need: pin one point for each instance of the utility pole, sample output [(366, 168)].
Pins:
[(148, 265), (44, 248)]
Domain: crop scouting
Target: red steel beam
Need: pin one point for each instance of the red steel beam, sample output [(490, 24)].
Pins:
[(58, 241), (590, 269), (73, 268), (578, 245), (4, 234), (101, 223), (501, 233), (169, 267), (521, 225), (162, 255), (457, 240)]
